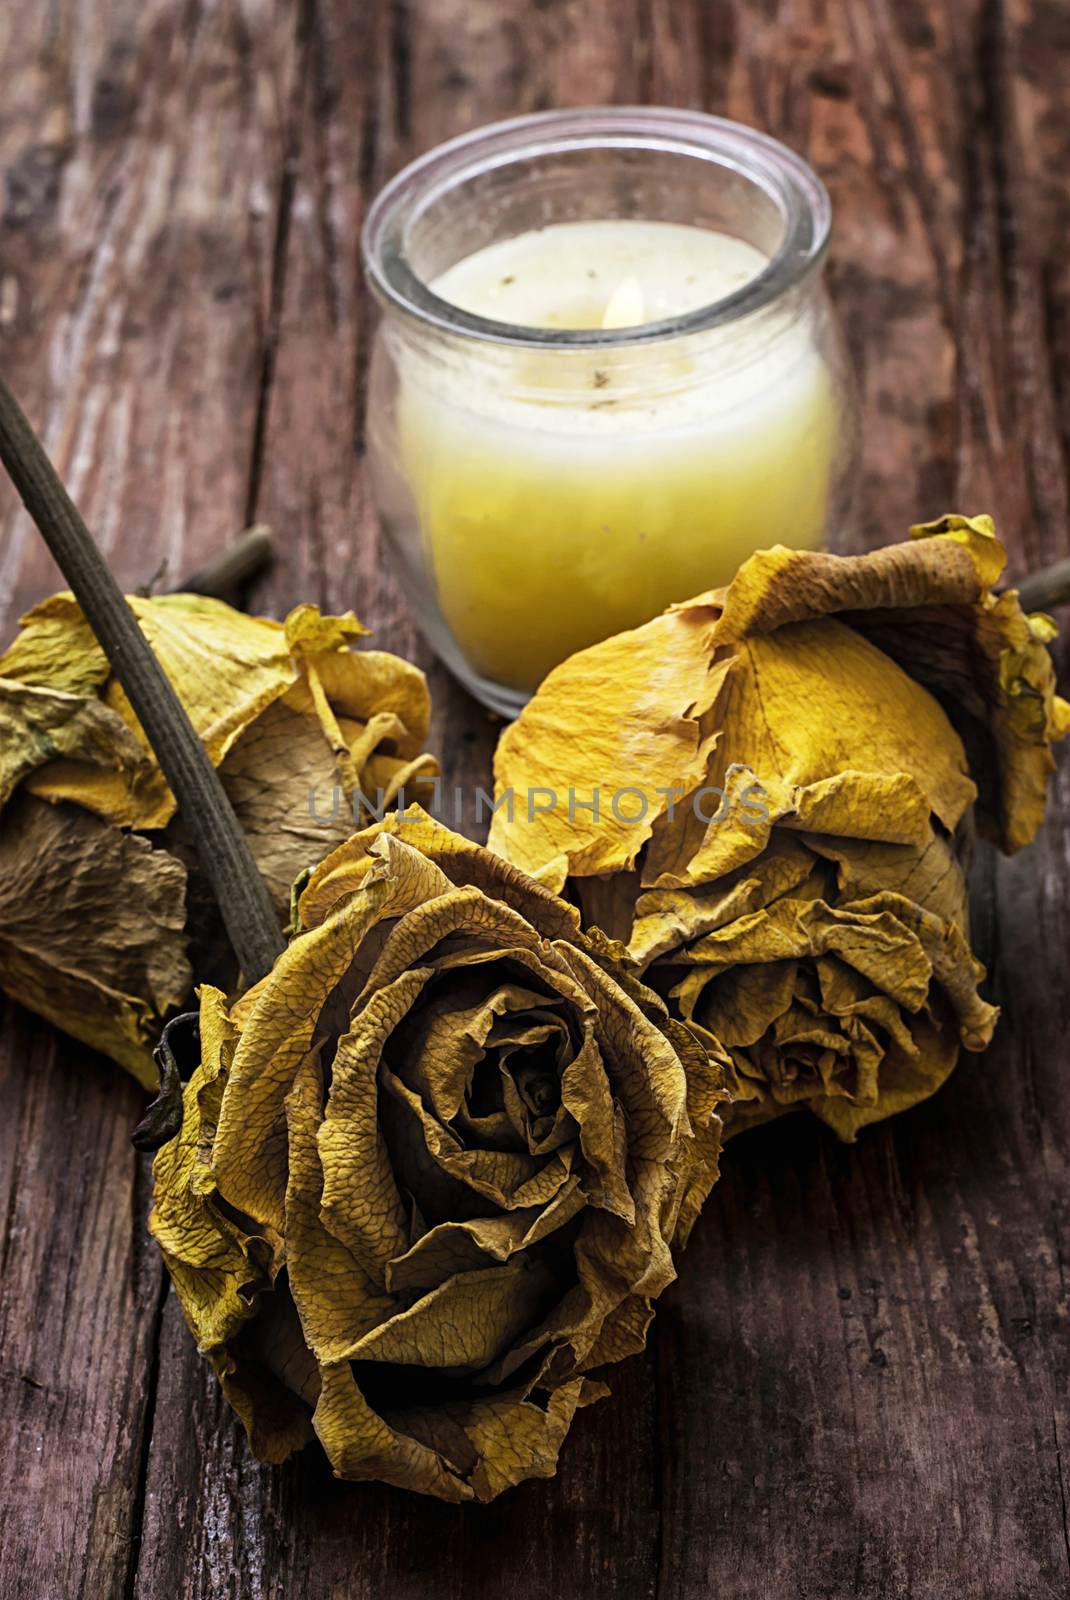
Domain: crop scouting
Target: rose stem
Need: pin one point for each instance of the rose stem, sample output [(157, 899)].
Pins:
[(223, 849), (1043, 590), (224, 574)]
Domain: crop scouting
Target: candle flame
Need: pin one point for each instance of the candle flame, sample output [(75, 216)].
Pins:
[(626, 307)]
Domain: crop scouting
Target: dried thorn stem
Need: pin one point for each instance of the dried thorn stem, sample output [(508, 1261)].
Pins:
[(224, 575), (1046, 589)]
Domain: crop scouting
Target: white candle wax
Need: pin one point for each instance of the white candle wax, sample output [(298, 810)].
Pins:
[(570, 275), (560, 495)]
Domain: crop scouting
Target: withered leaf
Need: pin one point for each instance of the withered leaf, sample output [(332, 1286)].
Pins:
[(91, 928)]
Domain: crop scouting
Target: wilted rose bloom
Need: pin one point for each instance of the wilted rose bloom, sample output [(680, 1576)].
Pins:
[(94, 897), (804, 755), (431, 1171)]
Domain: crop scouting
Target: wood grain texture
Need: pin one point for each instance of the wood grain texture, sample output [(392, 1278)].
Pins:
[(859, 1386), (140, 152), (142, 149), (79, 1308)]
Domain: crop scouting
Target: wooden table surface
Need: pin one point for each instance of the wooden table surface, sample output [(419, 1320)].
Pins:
[(859, 1385)]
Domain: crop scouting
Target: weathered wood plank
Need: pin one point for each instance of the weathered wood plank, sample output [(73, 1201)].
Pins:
[(888, 1325), (79, 1297), (778, 1325), (140, 148), (859, 1385), (136, 270)]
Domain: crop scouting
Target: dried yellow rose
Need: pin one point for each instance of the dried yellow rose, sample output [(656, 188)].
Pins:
[(93, 915), (797, 760), (431, 1170)]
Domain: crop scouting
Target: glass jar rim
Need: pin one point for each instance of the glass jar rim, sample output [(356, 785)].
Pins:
[(785, 179)]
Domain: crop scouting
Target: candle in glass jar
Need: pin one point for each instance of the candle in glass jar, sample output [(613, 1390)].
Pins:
[(566, 495)]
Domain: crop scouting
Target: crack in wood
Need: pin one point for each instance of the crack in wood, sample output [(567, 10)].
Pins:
[(401, 73), (148, 1424), (287, 185), (1062, 1489)]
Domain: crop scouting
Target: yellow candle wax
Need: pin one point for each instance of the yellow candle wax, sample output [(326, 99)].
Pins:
[(570, 494)]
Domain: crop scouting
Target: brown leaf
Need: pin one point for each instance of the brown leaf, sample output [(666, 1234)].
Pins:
[(91, 928)]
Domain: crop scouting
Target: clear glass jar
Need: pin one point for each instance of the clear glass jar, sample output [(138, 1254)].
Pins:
[(545, 487)]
